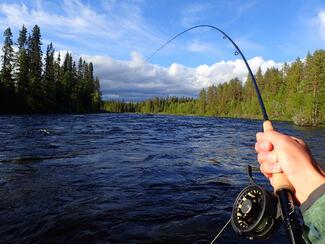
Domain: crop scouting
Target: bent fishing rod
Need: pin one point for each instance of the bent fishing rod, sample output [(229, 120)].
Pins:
[(256, 212)]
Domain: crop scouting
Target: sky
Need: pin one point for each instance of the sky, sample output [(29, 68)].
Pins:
[(118, 36)]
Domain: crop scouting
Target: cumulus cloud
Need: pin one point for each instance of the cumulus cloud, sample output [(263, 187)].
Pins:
[(120, 25), (136, 79)]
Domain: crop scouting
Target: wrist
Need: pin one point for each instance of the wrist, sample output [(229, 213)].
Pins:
[(307, 184), (313, 197)]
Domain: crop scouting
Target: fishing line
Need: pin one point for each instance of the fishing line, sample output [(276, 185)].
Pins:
[(220, 232), (256, 212)]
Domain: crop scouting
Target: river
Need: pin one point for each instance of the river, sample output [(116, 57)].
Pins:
[(127, 178)]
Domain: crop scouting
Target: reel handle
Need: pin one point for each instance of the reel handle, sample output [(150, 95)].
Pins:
[(280, 181)]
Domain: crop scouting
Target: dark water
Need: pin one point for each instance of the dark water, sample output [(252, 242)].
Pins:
[(120, 178)]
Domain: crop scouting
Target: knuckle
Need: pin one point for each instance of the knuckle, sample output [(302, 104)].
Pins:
[(301, 142)]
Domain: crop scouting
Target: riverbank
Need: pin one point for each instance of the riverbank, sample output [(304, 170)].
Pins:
[(257, 117)]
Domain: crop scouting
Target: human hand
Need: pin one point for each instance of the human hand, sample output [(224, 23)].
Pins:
[(281, 153)]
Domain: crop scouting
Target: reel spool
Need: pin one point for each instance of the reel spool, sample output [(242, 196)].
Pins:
[(255, 213)]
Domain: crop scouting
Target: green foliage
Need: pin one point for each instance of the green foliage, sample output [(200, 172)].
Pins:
[(22, 73), (7, 85), (297, 93), (315, 85), (202, 102), (168, 105), (44, 88)]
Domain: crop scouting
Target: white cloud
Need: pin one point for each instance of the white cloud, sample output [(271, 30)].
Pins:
[(118, 25), (136, 79), (321, 22)]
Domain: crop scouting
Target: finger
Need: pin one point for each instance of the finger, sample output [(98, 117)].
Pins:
[(272, 136), (270, 168), (259, 135), (262, 157), (267, 175), (267, 156), (263, 146)]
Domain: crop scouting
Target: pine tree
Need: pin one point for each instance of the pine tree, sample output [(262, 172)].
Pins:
[(49, 79), (294, 92), (68, 82), (260, 79), (80, 68), (98, 95), (91, 71), (202, 101), (315, 85), (35, 71), (35, 55), (57, 68), (60, 88), (22, 64), (7, 81), (210, 100)]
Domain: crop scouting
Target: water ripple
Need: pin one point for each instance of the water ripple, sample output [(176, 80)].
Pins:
[(117, 178)]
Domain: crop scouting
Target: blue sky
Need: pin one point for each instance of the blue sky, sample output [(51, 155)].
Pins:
[(118, 35)]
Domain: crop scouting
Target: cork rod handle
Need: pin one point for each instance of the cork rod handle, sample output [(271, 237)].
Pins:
[(280, 181)]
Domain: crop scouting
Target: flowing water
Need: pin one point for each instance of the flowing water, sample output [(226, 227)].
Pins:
[(127, 178)]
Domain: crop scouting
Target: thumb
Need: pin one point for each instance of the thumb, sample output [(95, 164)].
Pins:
[(270, 135)]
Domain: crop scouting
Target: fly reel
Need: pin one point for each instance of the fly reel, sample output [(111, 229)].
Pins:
[(255, 213)]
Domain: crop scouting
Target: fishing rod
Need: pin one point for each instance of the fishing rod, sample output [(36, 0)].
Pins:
[(257, 213)]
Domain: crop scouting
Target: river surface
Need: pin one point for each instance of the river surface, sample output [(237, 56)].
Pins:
[(127, 178)]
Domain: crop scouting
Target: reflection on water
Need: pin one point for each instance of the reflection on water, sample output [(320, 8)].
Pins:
[(126, 178)]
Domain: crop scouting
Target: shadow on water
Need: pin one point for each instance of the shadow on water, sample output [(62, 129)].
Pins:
[(126, 178)]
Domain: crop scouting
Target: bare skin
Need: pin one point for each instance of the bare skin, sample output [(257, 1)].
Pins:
[(281, 153)]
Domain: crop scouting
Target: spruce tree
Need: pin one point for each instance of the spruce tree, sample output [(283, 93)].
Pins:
[(91, 71), (7, 81), (80, 68), (59, 88), (35, 71), (49, 79), (22, 64)]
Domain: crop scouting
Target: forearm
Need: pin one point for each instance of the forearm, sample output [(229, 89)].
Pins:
[(305, 182)]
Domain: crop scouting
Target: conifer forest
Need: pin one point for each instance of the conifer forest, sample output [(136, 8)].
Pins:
[(31, 82)]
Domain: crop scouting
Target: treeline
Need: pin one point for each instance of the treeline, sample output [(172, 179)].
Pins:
[(296, 93), (33, 83), (169, 105)]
